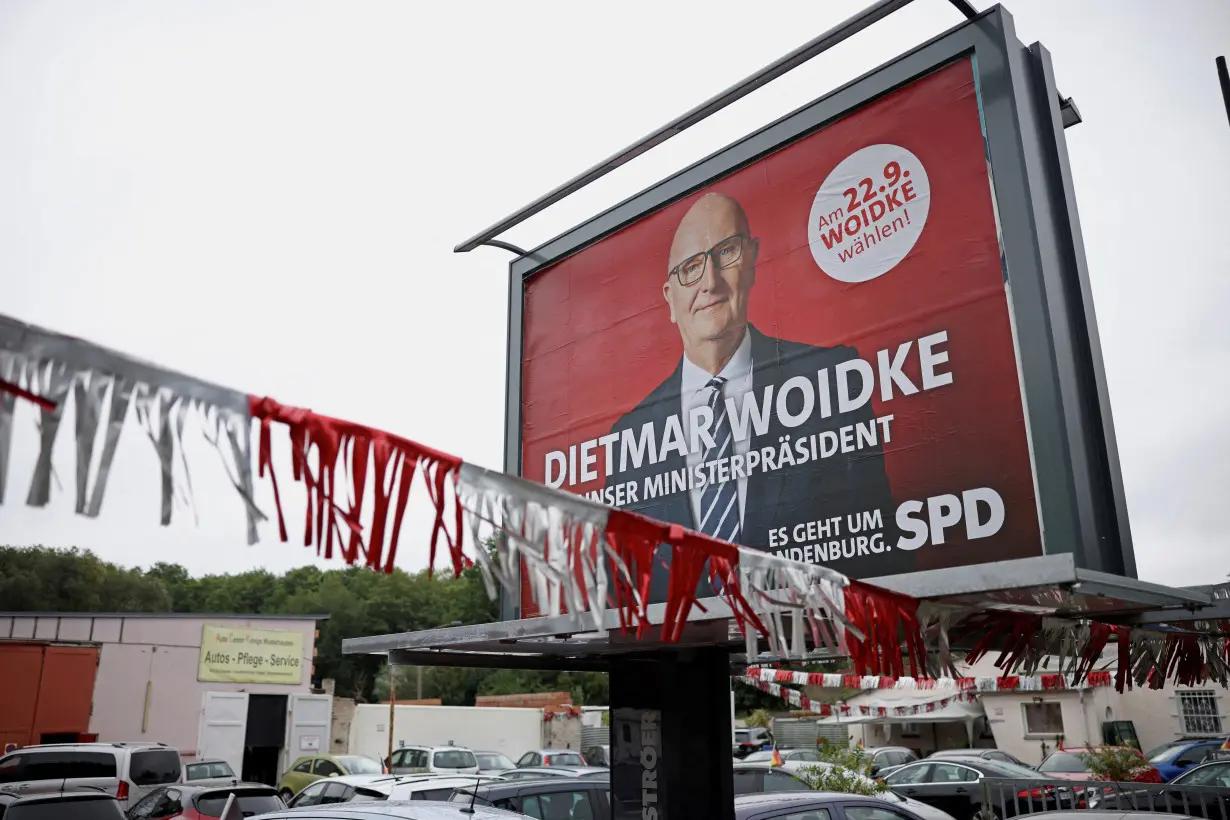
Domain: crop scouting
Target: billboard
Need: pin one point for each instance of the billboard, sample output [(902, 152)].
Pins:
[(242, 655), (812, 355), (861, 337)]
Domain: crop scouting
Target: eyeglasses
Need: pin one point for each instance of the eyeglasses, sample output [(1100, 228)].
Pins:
[(726, 254)]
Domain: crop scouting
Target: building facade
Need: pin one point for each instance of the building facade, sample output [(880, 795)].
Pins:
[(1030, 724), (236, 687)]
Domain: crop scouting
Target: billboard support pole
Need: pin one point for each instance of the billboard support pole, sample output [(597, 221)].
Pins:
[(1224, 76), (506, 246), (814, 47), (839, 33)]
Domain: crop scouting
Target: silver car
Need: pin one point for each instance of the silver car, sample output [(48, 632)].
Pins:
[(407, 810), (127, 771), (210, 773)]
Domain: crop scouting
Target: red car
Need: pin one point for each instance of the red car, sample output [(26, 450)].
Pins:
[(185, 802), (1069, 764)]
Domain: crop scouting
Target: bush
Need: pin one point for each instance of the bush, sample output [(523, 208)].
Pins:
[(843, 770), (1121, 764)]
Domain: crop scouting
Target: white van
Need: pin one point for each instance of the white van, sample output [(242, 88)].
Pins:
[(127, 770), (434, 760)]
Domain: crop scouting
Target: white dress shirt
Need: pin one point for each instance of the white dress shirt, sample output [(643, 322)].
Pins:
[(695, 393)]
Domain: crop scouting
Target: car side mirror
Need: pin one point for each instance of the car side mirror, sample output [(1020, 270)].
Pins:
[(875, 770)]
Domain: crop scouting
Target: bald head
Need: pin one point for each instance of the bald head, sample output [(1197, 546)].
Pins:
[(710, 272), (711, 219)]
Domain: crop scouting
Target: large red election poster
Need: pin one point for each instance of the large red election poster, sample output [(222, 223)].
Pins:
[(813, 355)]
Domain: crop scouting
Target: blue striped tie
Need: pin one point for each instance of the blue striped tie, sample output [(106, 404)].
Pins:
[(719, 503)]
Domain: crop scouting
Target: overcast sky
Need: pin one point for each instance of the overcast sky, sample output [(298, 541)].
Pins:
[(266, 194)]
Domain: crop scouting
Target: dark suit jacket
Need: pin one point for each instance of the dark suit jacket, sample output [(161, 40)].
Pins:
[(840, 485)]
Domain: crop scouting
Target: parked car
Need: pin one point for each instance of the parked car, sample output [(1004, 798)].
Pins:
[(1069, 764), (788, 756), (348, 788), (540, 772), (390, 788), (210, 773), (127, 771), (196, 802), (886, 758), (598, 756), (1202, 791), (953, 786), (979, 754), (402, 810), (493, 762), (1179, 757), (749, 740), (310, 768), (556, 797), (1085, 815), (89, 804), (816, 805), (434, 759), (551, 757), (1182, 741), (756, 778)]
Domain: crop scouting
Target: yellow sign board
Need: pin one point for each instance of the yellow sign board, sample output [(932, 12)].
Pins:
[(242, 655)]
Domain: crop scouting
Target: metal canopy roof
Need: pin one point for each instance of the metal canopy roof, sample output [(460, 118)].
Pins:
[(1049, 584)]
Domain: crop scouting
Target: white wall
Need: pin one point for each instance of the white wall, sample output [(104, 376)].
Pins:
[(508, 729)]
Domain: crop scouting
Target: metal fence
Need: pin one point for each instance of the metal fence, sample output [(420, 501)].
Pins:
[(1013, 798)]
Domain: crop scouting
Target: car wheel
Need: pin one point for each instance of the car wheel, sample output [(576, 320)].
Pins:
[(285, 795)]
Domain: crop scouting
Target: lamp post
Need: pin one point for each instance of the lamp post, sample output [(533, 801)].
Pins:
[(1223, 77), (393, 693)]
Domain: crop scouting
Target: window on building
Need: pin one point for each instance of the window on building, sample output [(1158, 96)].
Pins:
[(1043, 719), (910, 730), (1198, 713)]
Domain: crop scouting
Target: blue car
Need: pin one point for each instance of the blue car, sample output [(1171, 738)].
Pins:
[(1175, 758)]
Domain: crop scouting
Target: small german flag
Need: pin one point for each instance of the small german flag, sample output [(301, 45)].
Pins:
[(777, 757), (1225, 746)]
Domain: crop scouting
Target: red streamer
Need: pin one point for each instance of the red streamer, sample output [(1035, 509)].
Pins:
[(889, 623), (396, 460), (22, 393)]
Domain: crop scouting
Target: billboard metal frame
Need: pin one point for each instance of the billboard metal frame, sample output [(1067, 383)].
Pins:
[(1080, 498)]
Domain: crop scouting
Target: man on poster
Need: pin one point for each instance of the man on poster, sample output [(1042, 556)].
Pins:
[(710, 275)]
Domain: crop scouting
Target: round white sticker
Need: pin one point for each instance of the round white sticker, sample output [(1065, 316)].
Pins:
[(869, 213)]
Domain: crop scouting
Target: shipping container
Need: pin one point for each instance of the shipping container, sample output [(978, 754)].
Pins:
[(49, 692)]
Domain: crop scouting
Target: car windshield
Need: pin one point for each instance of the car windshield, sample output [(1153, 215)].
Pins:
[(742, 735), (454, 759), (203, 771), (211, 804), (66, 810), (755, 757), (566, 759), (1063, 762), (359, 765), (1166, 754), (151, 767), (493, 761), (1165, 747)]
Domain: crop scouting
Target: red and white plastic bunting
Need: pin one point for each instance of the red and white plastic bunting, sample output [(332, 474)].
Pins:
[(770, 682), (1007, 683), (803, 703), (583, 558)]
